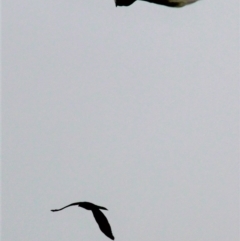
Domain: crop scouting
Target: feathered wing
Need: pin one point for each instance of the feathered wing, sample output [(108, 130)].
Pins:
[(168, 3), (103, 223), (72, 204)]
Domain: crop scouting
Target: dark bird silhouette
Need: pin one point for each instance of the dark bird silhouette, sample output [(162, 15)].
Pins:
[(168, 3), (98, 215)]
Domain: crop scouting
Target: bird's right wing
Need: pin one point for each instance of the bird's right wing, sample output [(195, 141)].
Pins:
[(72, 204), (103, 223), (168, 3), (172, 3)]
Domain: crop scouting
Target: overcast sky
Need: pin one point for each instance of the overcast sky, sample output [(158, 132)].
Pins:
[(131, 108)]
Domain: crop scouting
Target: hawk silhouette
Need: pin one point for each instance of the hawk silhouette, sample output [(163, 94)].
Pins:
[(98, 215)]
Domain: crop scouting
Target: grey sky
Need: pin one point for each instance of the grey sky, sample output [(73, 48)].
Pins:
[(134, 109)]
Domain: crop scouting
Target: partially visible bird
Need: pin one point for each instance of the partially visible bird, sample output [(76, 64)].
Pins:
[(98, 215), (169, 3)]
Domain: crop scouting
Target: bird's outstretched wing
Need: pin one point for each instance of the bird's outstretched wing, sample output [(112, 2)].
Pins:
[(72, 204), (172, 3), (103, 223), (169, 3)]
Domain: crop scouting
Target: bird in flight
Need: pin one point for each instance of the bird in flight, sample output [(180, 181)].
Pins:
[(98, 215), (168, 3)]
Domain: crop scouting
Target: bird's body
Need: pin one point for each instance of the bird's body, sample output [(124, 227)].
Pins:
[(98, 215), (168, 3)]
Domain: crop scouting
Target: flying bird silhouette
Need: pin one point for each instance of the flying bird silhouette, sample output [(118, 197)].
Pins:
[(169, 3), (98, 215)]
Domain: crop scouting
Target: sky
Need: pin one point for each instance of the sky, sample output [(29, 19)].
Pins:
[(132, 108)]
